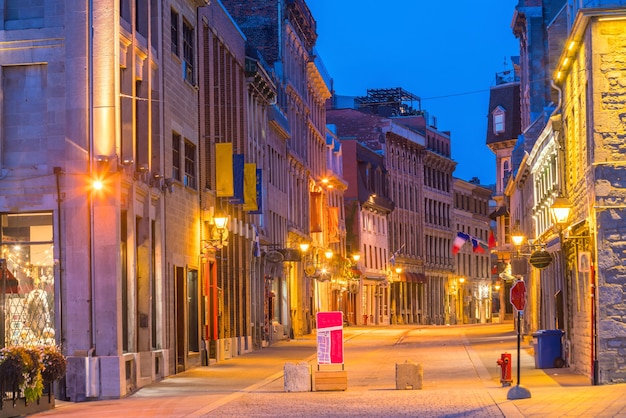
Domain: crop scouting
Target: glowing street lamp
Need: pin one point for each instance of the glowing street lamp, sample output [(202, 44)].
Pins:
[(560, 210)]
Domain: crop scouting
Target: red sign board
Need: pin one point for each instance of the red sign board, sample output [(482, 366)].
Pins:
[(330, 337), (518, 295)]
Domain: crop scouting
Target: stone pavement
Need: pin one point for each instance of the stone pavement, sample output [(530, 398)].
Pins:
[(461, 379)]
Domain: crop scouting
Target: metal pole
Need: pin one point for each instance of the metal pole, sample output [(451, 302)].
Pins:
[(519, 320), (2, 311)]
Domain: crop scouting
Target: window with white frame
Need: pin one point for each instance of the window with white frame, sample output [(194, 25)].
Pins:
[(498, 115)]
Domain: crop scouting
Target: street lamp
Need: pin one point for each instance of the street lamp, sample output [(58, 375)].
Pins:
[(517, 237), (219, 234), (461, 298), (220, 220), (560, 210)]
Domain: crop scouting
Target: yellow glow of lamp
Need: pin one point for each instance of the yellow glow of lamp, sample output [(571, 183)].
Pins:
[(220, 221), (304, 247), (517, 237), (329, 254), (560, 210), (97, 184), (356, 257)]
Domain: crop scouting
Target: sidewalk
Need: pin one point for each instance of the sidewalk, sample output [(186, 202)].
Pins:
[(461, 378)]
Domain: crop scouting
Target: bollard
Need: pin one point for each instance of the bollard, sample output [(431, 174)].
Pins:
[(297, 377), (409, 375)]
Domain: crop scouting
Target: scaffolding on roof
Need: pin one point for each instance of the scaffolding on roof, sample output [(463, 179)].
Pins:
[(397, 98)]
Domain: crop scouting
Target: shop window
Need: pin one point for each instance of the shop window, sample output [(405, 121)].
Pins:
[(28, 277)]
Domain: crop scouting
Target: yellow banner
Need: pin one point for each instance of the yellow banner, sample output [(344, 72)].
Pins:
[(333, 224), (224, 184), (249, 187)]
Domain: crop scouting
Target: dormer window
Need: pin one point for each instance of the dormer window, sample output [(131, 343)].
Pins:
[(498, 115)]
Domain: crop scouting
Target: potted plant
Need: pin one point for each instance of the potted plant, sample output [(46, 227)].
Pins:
[(25, 370), (20, 370)]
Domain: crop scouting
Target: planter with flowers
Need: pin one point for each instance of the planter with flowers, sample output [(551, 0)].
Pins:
[(24, 374)]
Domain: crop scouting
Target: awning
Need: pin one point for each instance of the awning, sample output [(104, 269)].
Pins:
[(501, 211), (411, 277)]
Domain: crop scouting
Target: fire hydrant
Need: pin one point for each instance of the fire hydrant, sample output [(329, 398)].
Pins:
[(505, 369)]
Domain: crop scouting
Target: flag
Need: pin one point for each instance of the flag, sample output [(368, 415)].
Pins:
[(224, 169), (477, 246), (333, 224), (258, 193), (316, 212), (460, 239), (392, 259), (238, 179), (256, 245), (249, 187), (492, 239)]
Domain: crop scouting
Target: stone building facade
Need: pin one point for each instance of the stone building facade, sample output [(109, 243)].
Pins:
[(573, 153), (588, 73), (93, 110), (470, 290)]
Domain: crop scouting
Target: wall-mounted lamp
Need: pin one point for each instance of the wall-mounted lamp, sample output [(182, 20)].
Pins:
[(517, 237), (168, 184), (560, 210), (328, 254), (126, 162), (219, 232)]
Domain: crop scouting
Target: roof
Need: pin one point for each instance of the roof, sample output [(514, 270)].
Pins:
[(506, 96)]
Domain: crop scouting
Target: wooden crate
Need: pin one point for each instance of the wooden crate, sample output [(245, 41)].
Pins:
[(330, 380)]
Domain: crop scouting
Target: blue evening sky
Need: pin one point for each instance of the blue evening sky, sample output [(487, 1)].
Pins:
[(445, 52)]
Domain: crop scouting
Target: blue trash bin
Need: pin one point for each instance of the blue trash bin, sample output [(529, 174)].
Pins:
[(548, 348)]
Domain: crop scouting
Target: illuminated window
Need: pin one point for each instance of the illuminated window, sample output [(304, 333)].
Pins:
[(29, 276), (499, 120)]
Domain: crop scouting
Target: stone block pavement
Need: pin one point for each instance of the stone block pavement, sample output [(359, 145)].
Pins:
[(461, 379)]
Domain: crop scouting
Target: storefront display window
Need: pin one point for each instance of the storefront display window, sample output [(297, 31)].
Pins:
[(27, 283)]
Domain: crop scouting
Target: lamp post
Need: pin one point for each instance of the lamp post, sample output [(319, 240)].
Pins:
[(216, 241), (462, 298), (560, 211)]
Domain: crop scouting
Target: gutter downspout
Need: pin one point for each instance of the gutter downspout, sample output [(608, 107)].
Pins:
[(90, 53), (59, 300)]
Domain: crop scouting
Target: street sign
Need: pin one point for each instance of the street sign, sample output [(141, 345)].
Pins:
[(518, 295), (540, 259)]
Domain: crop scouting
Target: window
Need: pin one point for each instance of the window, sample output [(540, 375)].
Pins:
[(29, 278), (498, 120), (174, 32), (176, 156), (190, 165), (188, 57)]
